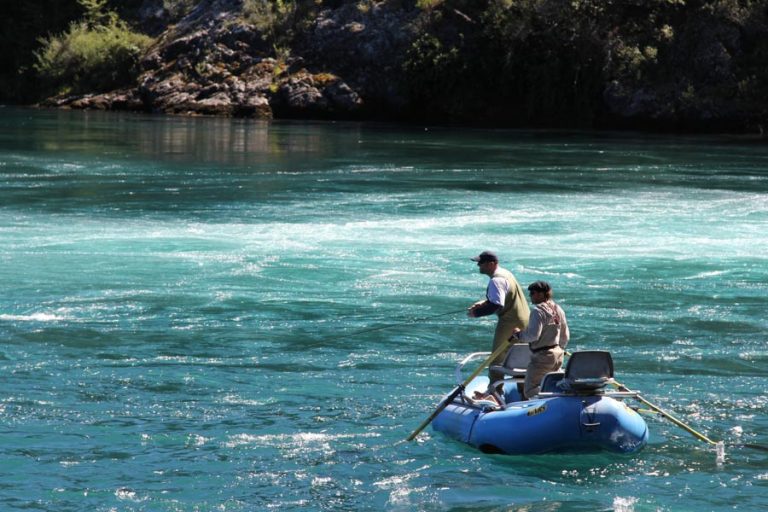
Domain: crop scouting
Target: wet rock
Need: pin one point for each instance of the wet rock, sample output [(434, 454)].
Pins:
[(316, 95), (365, 48), (255, 106), (343, 97)]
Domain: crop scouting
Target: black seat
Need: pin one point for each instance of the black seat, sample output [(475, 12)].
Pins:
[(587, 372), (550, 381)]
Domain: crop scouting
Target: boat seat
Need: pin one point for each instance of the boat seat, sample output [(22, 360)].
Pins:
[(550, 381), (587, 372), (516, 361)]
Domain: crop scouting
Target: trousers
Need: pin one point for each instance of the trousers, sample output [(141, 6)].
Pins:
[(541, 364), (504, 330)]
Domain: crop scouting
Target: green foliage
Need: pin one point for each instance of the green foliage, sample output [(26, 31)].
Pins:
[(272, 18), (97, 54), (430, 63), (549, 62), (428, 4), (280, 21), (96, 13), (436, 73), (517, 62), (179, 8)]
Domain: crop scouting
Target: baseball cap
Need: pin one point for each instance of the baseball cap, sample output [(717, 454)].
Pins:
[(485, 256)]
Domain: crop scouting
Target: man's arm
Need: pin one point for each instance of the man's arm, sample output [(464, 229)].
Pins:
[(484, 308), (565, 333), (533, 331), (494, 299)]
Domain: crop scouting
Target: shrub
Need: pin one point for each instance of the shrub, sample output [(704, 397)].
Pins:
[(178, 8), (280, 21), (91, 58), (273, 19)]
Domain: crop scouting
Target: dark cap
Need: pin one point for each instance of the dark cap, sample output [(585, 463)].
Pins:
[(539, 286), (486, 256)]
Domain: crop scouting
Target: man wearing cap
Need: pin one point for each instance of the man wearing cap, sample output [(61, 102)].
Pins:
[(547, 335), (505, 298)]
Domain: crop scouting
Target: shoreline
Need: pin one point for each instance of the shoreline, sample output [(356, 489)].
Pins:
[(755, 134)]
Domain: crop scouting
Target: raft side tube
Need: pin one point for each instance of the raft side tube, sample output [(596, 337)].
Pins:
[(612, 423), (556, 424), (534, 426), (456, 421)]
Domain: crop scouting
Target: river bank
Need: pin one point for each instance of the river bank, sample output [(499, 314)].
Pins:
[(671, 66)]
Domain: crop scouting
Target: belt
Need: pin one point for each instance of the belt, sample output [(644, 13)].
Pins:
[(541, 349)]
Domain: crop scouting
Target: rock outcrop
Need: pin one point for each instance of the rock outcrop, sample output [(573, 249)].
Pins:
[(375, 59), (214, 63)]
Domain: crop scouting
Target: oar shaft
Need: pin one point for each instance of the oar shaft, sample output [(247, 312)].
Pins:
[(661, 411), (443, 404), (499, 351), (668, 416)]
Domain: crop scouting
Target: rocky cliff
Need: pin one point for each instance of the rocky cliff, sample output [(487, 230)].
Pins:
[(661, 65), (213, 62)]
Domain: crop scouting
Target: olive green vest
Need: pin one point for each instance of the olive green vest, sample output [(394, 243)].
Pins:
[(515, 309)]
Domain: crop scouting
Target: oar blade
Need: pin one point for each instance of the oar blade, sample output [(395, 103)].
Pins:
[(667, 415), (440, 406)]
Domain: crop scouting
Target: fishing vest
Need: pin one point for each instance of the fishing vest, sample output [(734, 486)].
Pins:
[(551, 325), (515, 309)]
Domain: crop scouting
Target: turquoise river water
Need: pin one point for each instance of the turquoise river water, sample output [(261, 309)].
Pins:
[(183, 303)]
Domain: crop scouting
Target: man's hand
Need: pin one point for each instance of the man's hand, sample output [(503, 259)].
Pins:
[(471, 309)]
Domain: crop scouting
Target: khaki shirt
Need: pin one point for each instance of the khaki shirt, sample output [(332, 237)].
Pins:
[(547, 327)]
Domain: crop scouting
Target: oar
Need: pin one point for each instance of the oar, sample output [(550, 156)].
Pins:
[(458, 389), (720, 446), (659, 410), (655, 408)]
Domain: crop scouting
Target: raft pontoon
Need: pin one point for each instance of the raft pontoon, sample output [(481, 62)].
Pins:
[(573, 412)]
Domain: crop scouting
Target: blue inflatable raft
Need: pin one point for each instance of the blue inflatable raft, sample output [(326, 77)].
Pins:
[(574, 412)]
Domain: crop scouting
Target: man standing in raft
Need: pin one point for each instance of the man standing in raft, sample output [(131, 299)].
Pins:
[(506, 298), (547, 335)]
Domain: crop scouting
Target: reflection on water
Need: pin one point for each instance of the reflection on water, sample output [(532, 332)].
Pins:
[(186, 139)]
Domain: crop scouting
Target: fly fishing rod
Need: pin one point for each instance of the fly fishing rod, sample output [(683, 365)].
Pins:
[(414, 320)]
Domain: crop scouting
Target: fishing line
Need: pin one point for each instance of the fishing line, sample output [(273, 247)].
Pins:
[(753, 446), (399, 324)]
